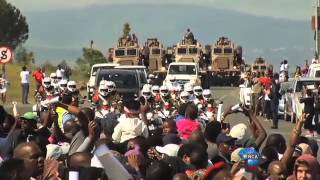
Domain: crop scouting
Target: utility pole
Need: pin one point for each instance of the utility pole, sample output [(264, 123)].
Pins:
[(316, 28), (91, 44)]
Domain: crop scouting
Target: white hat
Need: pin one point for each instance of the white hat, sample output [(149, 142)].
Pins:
[(169, 149), (238, 131)]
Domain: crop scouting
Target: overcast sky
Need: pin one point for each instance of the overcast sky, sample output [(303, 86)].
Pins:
[(289, 9)]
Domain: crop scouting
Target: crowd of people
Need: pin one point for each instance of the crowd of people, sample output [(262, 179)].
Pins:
[(267, 92), (167, 133)]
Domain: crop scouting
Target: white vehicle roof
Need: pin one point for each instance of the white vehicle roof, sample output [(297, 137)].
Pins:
[(130, 67), (308, 79), (314, 66), (105, 65), (182, 63)]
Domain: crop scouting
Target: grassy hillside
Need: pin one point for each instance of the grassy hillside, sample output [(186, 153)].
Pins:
[(13, 76)]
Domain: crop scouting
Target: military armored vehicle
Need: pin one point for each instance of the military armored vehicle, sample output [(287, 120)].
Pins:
[(261, 67), (127, 51), (188, 50), (226, 63), (155, 52)]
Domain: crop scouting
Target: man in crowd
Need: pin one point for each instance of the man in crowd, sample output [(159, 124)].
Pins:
[(25, 84), (38, 76)]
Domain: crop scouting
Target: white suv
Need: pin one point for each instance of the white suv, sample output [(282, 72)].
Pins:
[(180, 73)]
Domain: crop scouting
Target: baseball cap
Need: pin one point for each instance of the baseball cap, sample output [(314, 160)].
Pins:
[(224, 138), (238, 131), (169, 149), (30, 116)]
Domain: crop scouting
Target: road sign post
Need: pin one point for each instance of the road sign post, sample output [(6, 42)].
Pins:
[(6, 56)]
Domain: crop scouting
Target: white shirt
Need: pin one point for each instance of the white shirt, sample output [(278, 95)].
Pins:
[(129, 128), (25, 76), (60, 72), (282, 67)]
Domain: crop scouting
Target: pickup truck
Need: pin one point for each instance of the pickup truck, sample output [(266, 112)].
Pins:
[(293, 108)]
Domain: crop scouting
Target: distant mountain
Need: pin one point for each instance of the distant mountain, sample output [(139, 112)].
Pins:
[(57, 35)]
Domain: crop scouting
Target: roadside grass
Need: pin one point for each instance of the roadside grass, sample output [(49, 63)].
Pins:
[(14, 90)]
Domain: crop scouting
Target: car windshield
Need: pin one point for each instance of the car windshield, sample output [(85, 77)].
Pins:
[(182, 69), (217, 50), (301, 84), (193, 50), (119, 52), (131, 52), (123, 80), (227, 50), (182, 50)]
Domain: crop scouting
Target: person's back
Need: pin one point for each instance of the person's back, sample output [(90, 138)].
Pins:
[(130, 125), (38, 75), (24, 75), (129, 128), (189, 125), (60, 72)]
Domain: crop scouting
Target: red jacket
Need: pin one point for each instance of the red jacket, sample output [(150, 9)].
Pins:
[(38, 75)]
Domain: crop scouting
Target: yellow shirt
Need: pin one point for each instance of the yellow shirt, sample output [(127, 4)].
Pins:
[(61, 112)]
